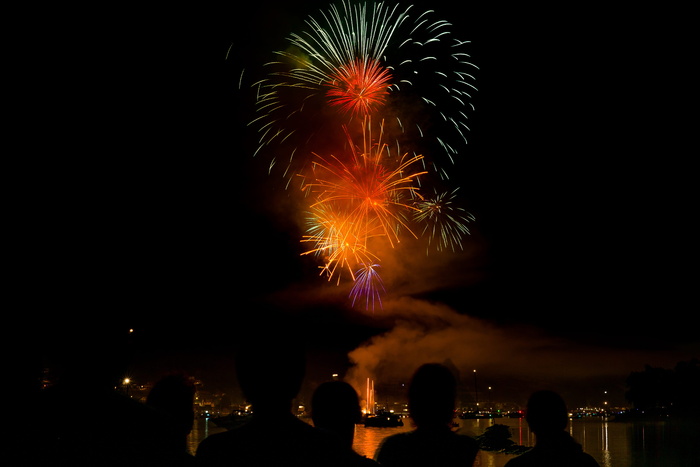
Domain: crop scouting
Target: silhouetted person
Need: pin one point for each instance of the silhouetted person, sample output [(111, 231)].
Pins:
[(431, 403), (83, 421), (173, 398), (547, 417), (270, 366), (335, 408)]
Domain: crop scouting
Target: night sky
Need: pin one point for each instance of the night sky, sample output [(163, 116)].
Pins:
[(142, 207)]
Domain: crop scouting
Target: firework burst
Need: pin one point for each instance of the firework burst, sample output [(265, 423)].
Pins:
[(367, 60), (339, 243), (359, 87), (371, 193), (354, 63), (445, 224), (368, 284), (366, 194)]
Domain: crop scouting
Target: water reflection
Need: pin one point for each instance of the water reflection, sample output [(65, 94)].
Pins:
[(664, 443), (612, 444), (202, 428), (606, 457), (367, 439)]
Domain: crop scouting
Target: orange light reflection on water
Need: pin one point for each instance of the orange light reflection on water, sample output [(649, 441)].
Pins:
[(367, 440), (611, 444)]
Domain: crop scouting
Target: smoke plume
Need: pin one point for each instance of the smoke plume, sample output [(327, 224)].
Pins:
[(513, 360)]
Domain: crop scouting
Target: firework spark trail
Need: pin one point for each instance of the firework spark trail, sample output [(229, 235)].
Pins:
[(444, 223), (344, 37), (368, 59), (353, 62), (337, 241), (359, 87), (366, 187), (368, 284), (366, 195)]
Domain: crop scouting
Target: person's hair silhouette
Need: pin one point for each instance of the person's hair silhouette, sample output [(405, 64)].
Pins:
[(548, 417), (431, 402), (335, 408), (128, 432), (270, 364), (546, 413), (431, 396), (173, 398), (270, 372)]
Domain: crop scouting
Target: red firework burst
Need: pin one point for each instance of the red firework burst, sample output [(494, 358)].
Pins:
[(359, 87)]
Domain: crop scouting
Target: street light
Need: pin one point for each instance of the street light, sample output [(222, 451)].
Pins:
[(126, 382), (605, 402)]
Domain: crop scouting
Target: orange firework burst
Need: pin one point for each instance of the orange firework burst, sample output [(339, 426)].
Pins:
[(363, 196), (339, 242), (371, 187), (359, 87), (353, 62)]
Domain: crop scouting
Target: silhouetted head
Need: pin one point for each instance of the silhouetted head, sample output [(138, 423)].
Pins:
[(174, 396), (431, 396), (546, 412), (270, 363), (335, 407)]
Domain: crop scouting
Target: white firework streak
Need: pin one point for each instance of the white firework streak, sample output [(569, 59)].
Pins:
[(444, 223), (427, 67)]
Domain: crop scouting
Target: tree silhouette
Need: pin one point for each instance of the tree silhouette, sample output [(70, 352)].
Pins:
[(670, 391)]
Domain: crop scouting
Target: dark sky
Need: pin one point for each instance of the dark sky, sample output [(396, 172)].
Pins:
[(141, 205)]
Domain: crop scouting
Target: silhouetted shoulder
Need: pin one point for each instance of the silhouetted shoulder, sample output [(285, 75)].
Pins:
[(547, 418), (418, 447), (125, 432), (356, 460), (543, 458), (288, 443)]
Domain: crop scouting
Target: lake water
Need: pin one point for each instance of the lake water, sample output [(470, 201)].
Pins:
[(612, 444)]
